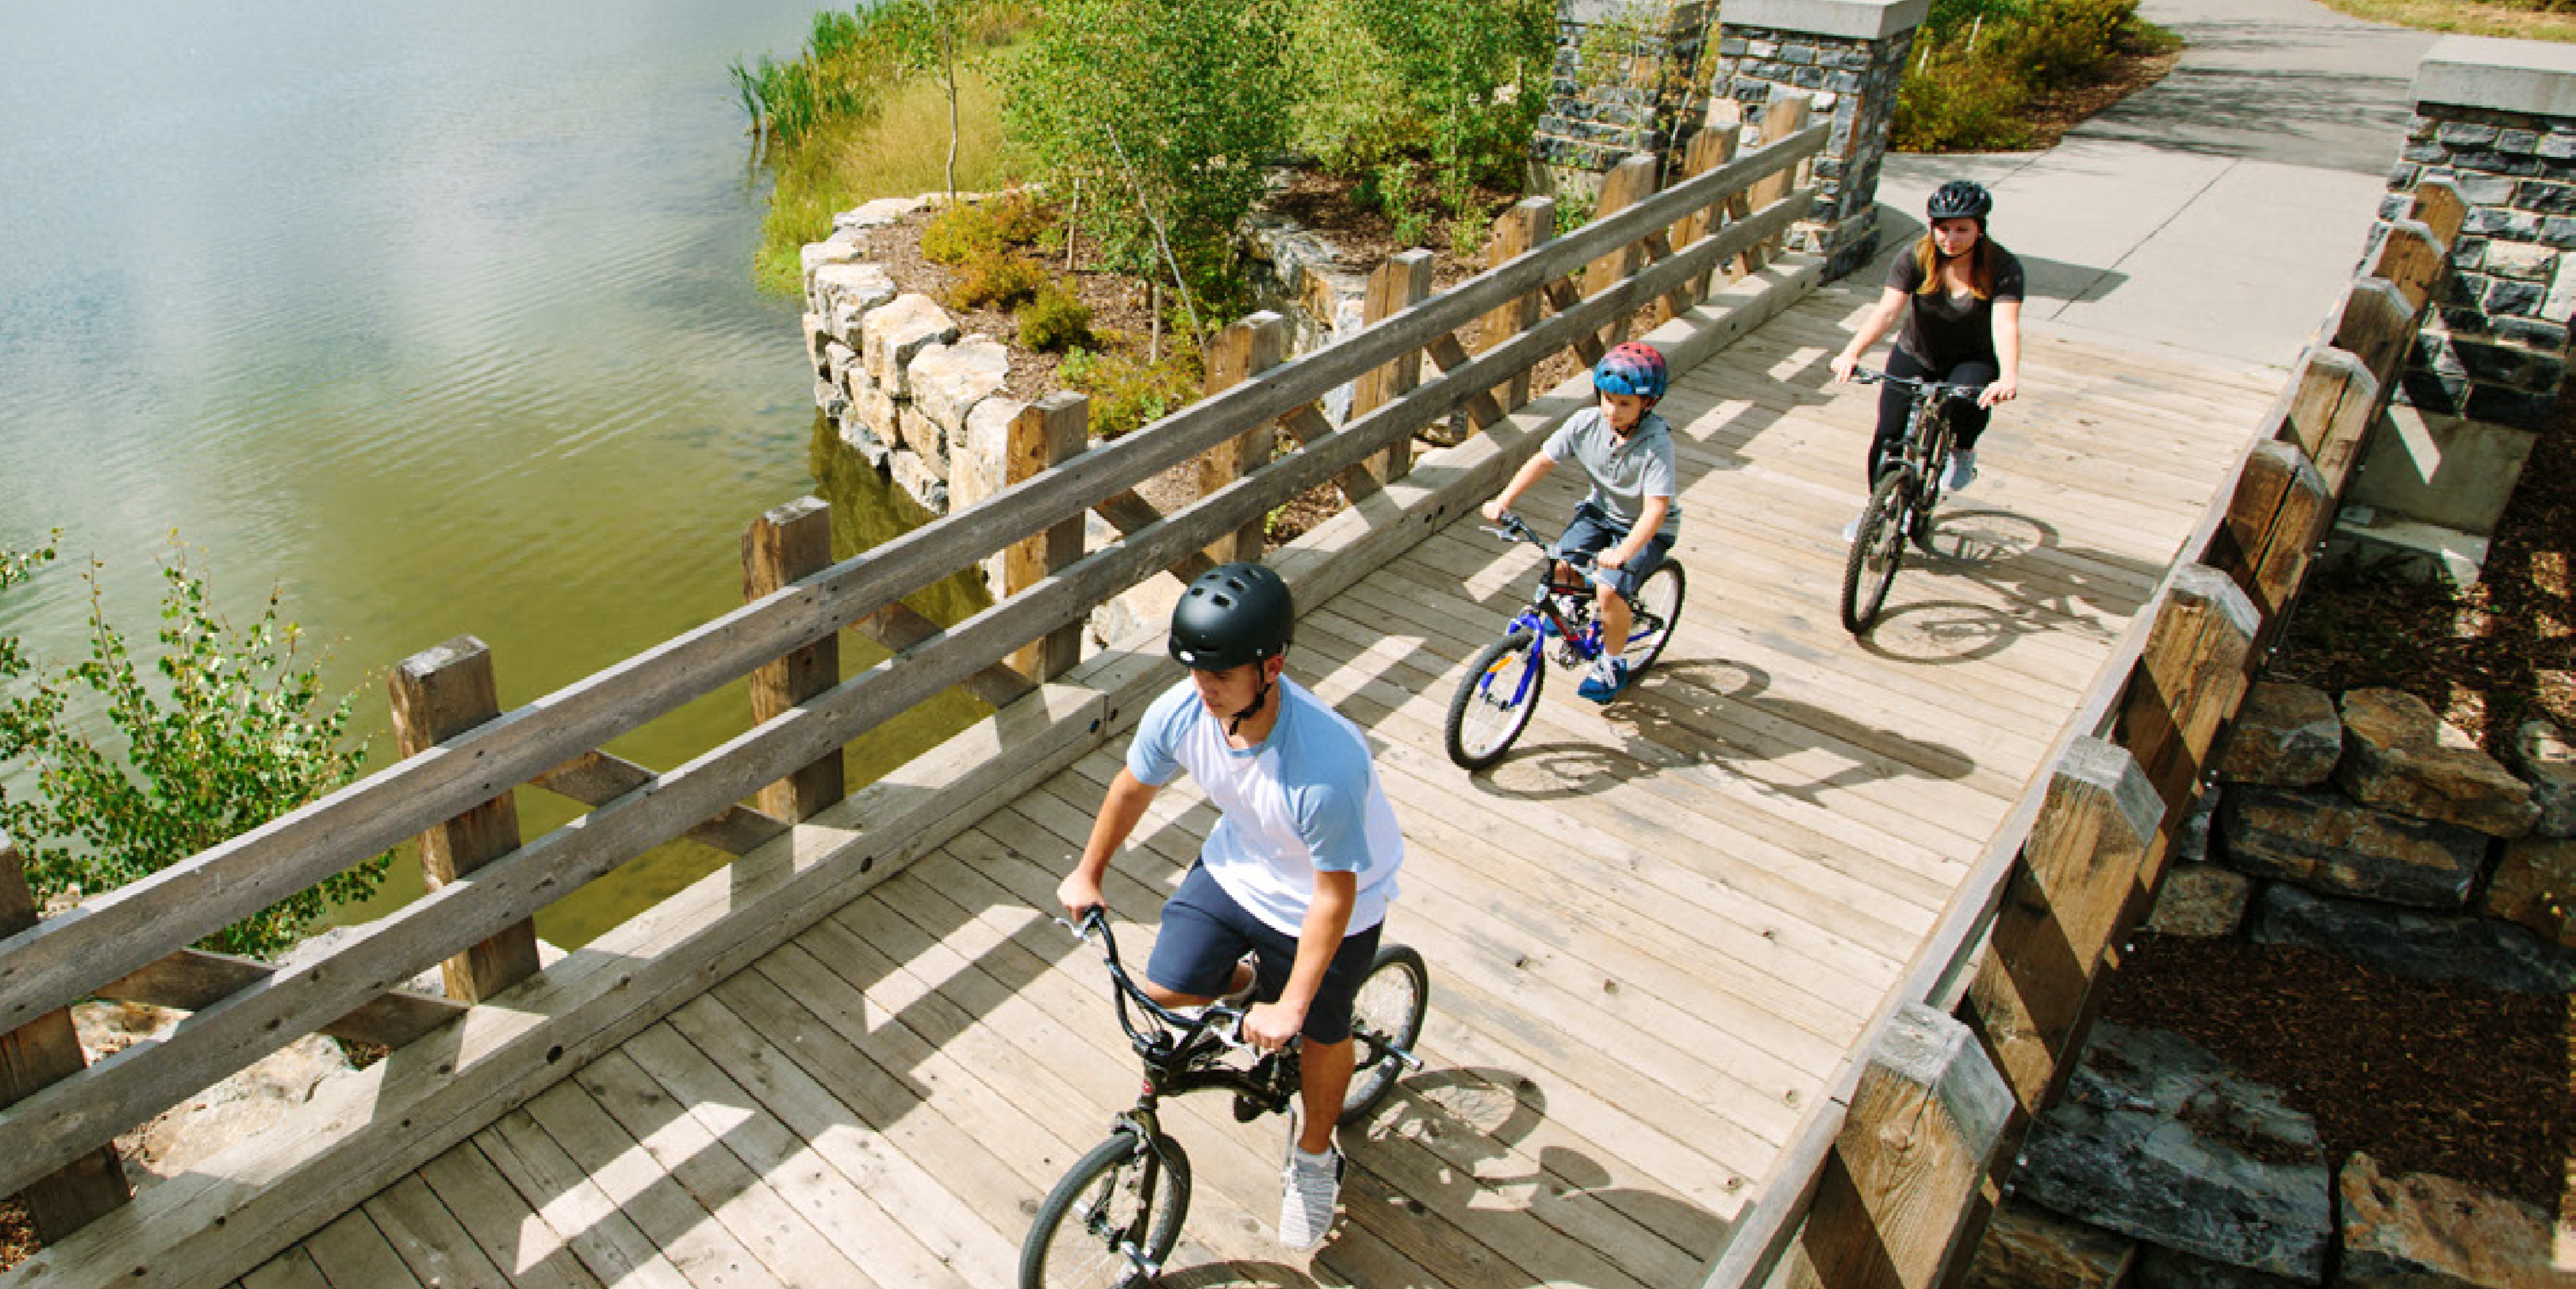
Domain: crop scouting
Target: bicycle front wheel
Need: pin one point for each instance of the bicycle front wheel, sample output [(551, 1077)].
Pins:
[(1387, 1012), (1657, 610), (1112, 1220), (1495, 701), (1878, 548)]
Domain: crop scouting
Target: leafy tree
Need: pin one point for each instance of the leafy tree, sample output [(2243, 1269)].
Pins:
[(226, 731), (1476, 74), (1162, 114)]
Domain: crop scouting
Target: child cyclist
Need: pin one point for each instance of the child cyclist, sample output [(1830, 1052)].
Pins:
[(1631, 518)]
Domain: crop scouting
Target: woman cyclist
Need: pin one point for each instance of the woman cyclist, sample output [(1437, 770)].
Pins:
[(1959, 295)]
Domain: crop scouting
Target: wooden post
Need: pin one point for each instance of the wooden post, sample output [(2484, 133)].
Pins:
[(1526, 226), (2061, 909), (1244, 350), (2412, 259), (438, 694), (2377, 325), (1046, 434), (1787, 116), (2327, 379), (1629, 182), (1400, 283), (791, 542), (1906, 1170), (2439, 207), (44, 1051), (1709, 149), (2187, 681), (2274, 518)]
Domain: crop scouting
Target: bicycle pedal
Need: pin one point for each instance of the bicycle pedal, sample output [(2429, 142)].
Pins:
[(1246, 1109)]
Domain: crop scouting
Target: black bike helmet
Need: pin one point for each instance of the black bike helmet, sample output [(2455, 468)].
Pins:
[(1960, 199), (1231, 615)]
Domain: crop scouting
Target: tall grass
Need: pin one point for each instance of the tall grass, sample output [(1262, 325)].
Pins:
[(900, 150), (2526, 20)]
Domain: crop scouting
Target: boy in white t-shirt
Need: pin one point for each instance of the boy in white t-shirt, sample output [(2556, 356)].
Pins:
[(1297, 872)]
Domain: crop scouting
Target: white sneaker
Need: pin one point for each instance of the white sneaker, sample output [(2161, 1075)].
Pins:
[(1963, 471), (1310, 1187), (1851, 531)]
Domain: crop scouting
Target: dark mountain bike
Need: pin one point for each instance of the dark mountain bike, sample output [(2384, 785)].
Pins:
[(1900, 503), (1500, 692), (1116, 1215)]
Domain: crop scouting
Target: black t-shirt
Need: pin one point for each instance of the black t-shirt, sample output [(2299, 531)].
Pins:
[(1943, 330)]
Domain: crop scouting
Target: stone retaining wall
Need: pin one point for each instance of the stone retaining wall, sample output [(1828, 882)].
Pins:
[(1623, 71), (1849, 57)]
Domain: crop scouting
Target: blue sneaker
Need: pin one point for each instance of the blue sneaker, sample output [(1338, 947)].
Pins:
[(1603, 683)]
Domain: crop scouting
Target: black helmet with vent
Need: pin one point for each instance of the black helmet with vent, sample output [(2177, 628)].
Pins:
[(1231, 615), (1960, 199)]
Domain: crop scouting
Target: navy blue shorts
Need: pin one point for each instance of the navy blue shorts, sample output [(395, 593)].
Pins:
[(1205, 933), (1592, 532)]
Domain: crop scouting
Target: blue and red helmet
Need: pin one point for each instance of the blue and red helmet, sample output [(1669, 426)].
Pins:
[(1632, 368)]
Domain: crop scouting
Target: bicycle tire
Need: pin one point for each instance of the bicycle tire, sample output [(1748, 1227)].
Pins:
[(1939, 445), (1090, 1252), (1877, 551), (1657, 607), (1392, 1000), (1495, 700)]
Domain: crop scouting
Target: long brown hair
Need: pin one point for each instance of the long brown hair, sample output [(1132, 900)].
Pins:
[(1981, 265)]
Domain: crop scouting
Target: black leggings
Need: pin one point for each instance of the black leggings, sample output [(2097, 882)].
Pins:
[(1967, 420)]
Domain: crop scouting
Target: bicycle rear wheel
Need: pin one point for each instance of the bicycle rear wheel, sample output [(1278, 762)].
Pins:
[(1878, 548), (1112, 1220), (1657, 610), (1495, 700), (1388, 1010)]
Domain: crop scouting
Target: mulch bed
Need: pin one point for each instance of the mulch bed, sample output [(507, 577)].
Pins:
[(2449, 1079)]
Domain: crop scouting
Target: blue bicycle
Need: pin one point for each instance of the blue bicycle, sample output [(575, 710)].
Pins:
[(1495, 701)]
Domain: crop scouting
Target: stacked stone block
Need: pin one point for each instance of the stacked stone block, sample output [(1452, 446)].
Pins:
[(1849, 58), (1650, 51), (2498, 118)]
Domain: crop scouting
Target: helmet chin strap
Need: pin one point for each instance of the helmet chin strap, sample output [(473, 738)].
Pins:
[(1234, 725)]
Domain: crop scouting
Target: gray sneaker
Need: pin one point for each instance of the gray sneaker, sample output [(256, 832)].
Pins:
[(1308, 1194)]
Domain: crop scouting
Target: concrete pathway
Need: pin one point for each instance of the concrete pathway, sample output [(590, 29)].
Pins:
[(2223, 209)]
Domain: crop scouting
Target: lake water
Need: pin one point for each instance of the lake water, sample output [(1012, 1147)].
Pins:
[(438, 318)]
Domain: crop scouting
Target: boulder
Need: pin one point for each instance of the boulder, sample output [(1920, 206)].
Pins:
[(880, 213), (2201, 901), (2325, 842), (924, 437), (2028, 1247), (2157, 1140), (2399, 756), (917, 477), (980, 470), (2535, 885), (890, 337), (876, 411), (842, 247), (817, 337), (2191, 841), (2160, 1268), (837, 360), (2548, 763), (2419, 1231), (2416, 945), (845, 293), (947, 381), (2284, 735)]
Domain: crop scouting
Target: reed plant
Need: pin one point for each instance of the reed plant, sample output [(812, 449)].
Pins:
[(900, 150)]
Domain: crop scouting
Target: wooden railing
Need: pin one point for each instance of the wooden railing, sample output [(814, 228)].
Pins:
[(1889, 1182), (804, 851)]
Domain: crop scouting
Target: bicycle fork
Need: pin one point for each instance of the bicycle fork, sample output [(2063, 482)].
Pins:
[(1130, 1244)]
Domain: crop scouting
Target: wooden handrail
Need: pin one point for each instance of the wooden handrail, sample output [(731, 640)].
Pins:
[(124, 931)]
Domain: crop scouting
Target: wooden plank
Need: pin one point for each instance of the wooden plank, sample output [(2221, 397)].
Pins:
[(703, 1251), (1709, 149), (192, 980), (1131, 514), (1629, 182), (898, 627), (352, 1254), (513, 1236), (1398, 285), (1309, 427), (1785, 117), (2060, 912), (2413, 260), (590, 1222), (1905, 1169), (289, 1270), (2377, 325), (436, 1247), (1243, 350), (1045, 435), (438, 694), (2439, 207), (782, 547), (37, 1054), (2327, 379), (597, 778), (1529, 222), (2187, 681), (1563, 297), (125, 929), (2275, 519), (1447, 354)]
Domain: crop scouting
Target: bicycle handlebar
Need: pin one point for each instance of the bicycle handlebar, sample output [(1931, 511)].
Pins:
[(1220, 1021), (1937, 388)]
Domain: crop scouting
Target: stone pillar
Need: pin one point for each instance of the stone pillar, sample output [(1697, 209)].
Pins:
[(1850, 55), (1627, 81), (2498, 118)]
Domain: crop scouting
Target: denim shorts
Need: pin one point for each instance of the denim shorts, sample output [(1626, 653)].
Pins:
[(1205, 932), (1591, 531)]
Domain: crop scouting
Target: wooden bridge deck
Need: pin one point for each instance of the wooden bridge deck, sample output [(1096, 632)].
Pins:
[(1656, 931)]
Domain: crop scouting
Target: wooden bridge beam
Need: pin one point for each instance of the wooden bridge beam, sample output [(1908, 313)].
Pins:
[(1046, 434), (1629, 182), (1399, 284), (438, 694), (2188, 679), (786, 544), (44, 1051), (1249, 347), (1527, 224)]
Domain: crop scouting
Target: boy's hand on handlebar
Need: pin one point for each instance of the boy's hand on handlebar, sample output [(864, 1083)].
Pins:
[(1078, 893), (1494, 510), (1268, 1027)]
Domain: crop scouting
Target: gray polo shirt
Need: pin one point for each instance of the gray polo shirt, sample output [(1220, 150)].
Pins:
[(1624, 471)]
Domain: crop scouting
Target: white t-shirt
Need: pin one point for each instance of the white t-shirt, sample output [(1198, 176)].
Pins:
[(1305, 800)]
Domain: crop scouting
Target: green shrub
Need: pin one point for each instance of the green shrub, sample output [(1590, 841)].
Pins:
[(2069, 42), (1020, 219), (958, 234), (1126, 392), (998, 278), (1955, 101), (1054, 321)]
